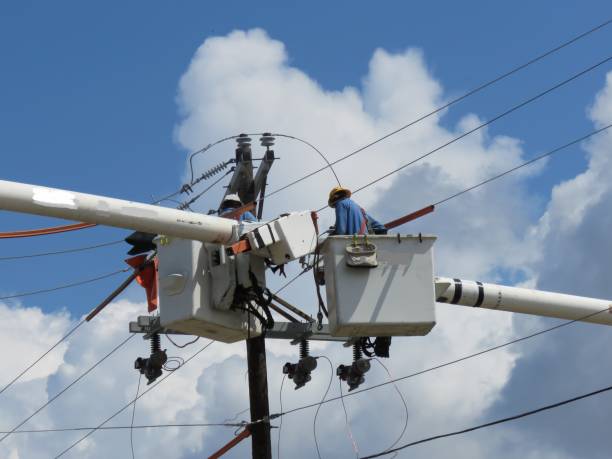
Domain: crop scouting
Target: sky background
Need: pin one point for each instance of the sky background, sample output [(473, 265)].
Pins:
[(109, 98)]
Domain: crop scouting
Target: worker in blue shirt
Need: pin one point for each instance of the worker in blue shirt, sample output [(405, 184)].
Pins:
[(230, 203), (350, 217)]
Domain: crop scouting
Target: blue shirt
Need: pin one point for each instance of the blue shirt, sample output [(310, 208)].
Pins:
[(246, 216), (350, 218)]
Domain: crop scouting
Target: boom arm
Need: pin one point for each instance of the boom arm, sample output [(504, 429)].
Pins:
[(70, 205), (525, 301)]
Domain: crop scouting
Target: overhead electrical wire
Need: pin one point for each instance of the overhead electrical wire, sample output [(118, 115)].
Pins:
[(314, 421), (482, 125), (280, 423), (520, 166), (135, 427), (446, 364), (61, 252), (346, 421), (450, 103), (61, 340), (403, 399), (526, 163), (61, 392), (65, 286), (329, 165), (99, 426), (133, 415), (492, 423)]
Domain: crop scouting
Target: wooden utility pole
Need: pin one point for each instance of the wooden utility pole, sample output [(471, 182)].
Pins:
[(258, 397), (249, 187)]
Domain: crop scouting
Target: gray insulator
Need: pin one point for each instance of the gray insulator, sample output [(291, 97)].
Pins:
[(267, 140), (213, 171), (243, 140)]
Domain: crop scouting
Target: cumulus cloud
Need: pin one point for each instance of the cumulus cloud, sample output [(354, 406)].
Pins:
[(570, 252), (244, 82)]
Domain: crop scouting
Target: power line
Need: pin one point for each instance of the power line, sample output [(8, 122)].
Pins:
[(445, 364), (452, 102), (527, 163), (99, 426), (329, 165), (61, 340), (314, 421), (133, 415), (486, 123), (65, 286), (492, 423), (399, 392), (56, 396), (139, 427), (61, 252)]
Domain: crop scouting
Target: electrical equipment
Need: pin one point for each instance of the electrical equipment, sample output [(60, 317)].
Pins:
[(354, 374), (387, 293), (300, 372), (152, 366), (198, 284), (284, 239)]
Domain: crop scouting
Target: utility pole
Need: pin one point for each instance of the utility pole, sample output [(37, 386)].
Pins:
[(249, 188), (258, 398)]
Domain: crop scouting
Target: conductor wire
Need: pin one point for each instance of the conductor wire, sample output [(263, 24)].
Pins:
[(314, 422)]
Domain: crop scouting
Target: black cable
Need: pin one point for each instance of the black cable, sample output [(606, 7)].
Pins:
[(134, 414), (60, 252), (61, 287), (449, 363), (329, 165), (492, 423), (452, 102), (533, 160), (480, 126), (99, 426), (56, 396), (182, 346), (173, 363), (61, 340)]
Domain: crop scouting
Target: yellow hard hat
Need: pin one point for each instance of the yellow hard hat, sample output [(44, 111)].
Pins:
[(336, 193)]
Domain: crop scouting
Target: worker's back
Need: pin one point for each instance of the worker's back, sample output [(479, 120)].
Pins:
[(350, 217)]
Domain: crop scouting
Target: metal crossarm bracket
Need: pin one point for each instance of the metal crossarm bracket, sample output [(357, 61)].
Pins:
[(281, 330)]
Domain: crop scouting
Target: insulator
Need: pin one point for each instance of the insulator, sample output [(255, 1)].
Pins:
[(304, 348), (212, 171), (243, 140), (357, 351), (267, 139), (155, 343)]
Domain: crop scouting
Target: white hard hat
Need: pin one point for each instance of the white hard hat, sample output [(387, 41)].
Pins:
[(232, 198)]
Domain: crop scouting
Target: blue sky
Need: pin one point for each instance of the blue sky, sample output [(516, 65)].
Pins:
[(89, 102)]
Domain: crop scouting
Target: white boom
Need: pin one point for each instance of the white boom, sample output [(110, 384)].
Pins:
[(522, 300), (89, 208)]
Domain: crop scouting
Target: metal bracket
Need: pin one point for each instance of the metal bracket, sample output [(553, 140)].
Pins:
[(281, 330), (149, 325)]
